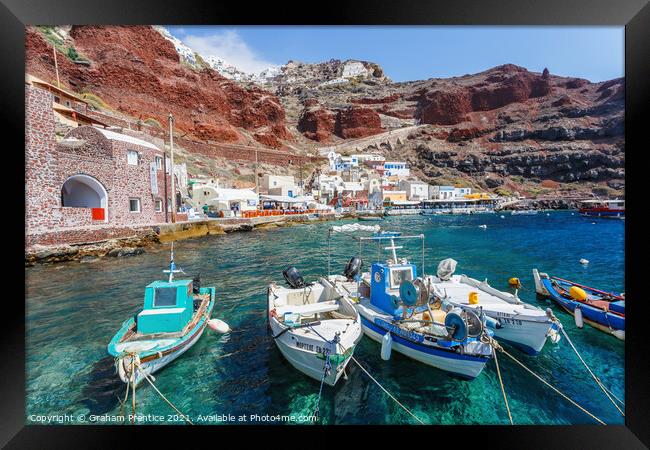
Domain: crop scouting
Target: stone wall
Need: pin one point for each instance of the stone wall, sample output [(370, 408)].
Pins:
[(49, 164), (236, 152), (40, 162), (87, 235)]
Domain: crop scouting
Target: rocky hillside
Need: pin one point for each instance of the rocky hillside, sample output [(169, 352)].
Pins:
[(505, 128), (136, 71)]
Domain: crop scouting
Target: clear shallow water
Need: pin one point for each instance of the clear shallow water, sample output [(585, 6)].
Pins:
[(74, 309)]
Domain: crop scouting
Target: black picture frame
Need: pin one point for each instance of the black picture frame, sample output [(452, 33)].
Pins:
[(633, 14)]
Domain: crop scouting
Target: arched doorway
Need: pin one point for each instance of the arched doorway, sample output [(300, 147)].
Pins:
[(84, 191)]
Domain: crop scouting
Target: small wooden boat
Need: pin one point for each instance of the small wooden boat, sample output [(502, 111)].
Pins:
[(602, 310), (315, 328), (173, 319)]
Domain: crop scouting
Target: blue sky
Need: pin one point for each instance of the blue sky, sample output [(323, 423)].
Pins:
[(416, 53)]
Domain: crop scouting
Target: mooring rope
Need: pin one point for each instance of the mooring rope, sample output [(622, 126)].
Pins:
[(146, 377), (326, 368), (600, 384), (503, 390), (387, 393), (552, 387), (133, 387)]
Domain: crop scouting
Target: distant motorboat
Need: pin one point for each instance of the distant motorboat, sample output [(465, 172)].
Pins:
[(605, 209), (524, 212)]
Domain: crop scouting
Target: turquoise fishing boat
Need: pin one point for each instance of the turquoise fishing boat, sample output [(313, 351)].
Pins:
[(173, 318)]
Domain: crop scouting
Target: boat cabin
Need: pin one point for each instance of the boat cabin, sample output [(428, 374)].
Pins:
[(385, 282), (168, 307)]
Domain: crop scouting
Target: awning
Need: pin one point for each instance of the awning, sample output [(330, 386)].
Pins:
[(286, 199)]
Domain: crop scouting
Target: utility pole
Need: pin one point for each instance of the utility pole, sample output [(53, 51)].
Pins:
[(257, 183), (56, 68), (171, 150), (165, 178)]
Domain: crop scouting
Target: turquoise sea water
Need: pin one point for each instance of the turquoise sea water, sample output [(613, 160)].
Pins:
[(73, 310)]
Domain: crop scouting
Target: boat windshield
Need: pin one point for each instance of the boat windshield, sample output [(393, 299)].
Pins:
[(398, 275), (164, 297)]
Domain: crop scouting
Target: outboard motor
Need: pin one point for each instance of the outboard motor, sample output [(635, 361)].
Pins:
[(293, 278), (196, 283), (352, 268)]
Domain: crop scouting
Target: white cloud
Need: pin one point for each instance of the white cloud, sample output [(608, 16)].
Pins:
[(229, 46)]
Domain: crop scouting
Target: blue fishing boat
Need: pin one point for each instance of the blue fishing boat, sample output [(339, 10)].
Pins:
[(602, 310), (397, 310), (173, 318)]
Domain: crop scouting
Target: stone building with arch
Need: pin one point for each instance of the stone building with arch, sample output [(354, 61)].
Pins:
[(93, 178)]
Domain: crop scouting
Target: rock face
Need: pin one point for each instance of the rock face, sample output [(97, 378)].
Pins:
[(136, 71), (356, 122), (505, 128), (449, 105), (316, 123), (319, 124)]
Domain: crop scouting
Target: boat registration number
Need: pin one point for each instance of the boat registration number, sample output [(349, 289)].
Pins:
[(406, 334), (309, 347), (510, 321)]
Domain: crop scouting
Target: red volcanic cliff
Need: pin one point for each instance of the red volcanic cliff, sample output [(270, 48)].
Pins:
[(315, 122), (356, 122), (449, 105), (318, 123), (138, 72)]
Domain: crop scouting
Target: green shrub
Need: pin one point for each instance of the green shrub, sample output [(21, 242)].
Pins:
[(72, 53), (94, 100), (152, 122)]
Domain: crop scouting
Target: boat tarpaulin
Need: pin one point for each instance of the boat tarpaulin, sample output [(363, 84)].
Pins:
[(446, 268), (355, 227)]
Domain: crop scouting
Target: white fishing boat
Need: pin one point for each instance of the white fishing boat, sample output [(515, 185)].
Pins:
[(313, 325), (513, 321), (524, 212), (397, 313)]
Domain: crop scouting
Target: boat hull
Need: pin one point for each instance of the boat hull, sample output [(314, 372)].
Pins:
[(596, 317), (464, 366), (528, 336), (306, 352), (312, 364), (160, 352), (155, 363)]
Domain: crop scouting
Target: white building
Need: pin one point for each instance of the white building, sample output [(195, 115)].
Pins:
[(415, 190), (228, 201), (280, 185), (396, 168), (448, 192), (368, 157)]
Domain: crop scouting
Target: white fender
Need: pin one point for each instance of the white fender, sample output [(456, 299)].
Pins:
[(218, 325), (386, 346), (577, 314)]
